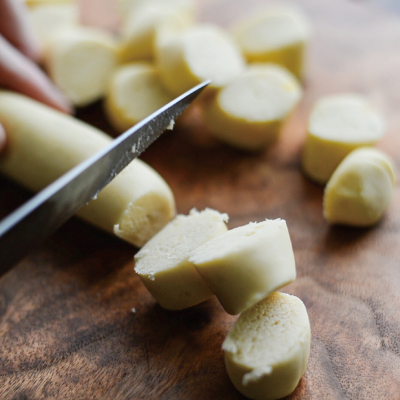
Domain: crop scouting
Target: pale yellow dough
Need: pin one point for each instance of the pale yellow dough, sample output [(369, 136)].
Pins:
[(277, 35), (135, 91), (197, 54), (38, 3), (81, 62), (249, 111), (246, 264), (338, 124), (43, 144), (141, 22), (360, 189), (267, 350), (163, 265), (50, 18)]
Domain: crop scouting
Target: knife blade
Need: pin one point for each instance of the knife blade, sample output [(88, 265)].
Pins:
[(25, 228)]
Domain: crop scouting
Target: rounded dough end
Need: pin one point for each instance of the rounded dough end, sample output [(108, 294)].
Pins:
[(360, 189)]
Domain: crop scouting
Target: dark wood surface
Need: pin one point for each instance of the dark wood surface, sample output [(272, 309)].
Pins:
[(66, 326)]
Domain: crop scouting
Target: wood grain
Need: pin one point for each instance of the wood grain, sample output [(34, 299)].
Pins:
[(67, 329)]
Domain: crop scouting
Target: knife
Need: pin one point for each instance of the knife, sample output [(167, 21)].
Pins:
[(30, 224)]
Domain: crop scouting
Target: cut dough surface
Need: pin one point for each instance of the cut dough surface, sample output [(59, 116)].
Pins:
[(278, 35), (163, 264), (249, 111), (338, 124), (81, 63), (197, 54), (267, 350), (246, 264), (135, 91), (43, 144), (360, 189)]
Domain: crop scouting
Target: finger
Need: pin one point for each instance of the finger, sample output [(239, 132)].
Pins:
[(16, 27), (21, 74), (2, 138)]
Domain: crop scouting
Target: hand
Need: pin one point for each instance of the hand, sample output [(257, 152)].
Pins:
[(19, 52)]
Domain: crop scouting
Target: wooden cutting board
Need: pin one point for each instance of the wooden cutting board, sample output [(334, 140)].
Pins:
[(67, 330)]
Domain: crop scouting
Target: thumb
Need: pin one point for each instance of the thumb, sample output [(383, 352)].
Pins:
[(2, 138)]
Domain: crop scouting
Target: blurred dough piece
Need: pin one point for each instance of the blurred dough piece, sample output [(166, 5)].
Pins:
[(135, 91), (52, 17), (81, 63), (360, 189), (249, 111), (246, 264), (338, 124), (267, 350), (141, 22), (278, 35), (197, 54), (163, 265)]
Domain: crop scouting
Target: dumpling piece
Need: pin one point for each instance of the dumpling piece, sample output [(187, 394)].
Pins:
[(277, 35), (140, 24), (48, 19), (163, 264), (249, 112), (267, 350), (338, 124), (246, 264), (135, 91), (81, 63), (360, 189), (197, 54)]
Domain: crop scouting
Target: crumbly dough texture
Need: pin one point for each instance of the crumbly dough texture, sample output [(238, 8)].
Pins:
[(360, 189), (43, 144), (277, 35), (246, 264), (163, 265), (249, 112), (197, 54), (81, 63), (267, 349), (135, 92), (338, 124)]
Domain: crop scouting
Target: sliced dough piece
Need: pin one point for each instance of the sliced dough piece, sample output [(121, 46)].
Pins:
[(246, 264), (43, 144), (249, 112), (360, 189), (135, 91), (49, 19), (338, 124), (81, 62), (199, 53), (278, 35), (267, 350), (163, 264), (139, 27)]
